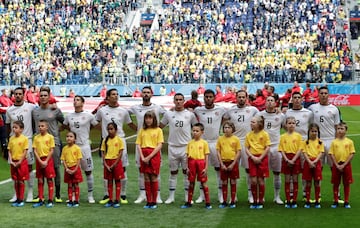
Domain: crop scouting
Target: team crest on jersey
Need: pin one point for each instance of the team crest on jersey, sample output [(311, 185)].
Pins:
[(25, 110), (276, 119), (50, 115), (83, 118), (329, 112), (247, 111), (216, 113)]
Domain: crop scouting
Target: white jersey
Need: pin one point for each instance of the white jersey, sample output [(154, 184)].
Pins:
[(23, 113), (303, 118), (140, 110), (241, 117), (272, 125), (211, 119), (179, 126), (118, 115), (80, 123), (326, 116)]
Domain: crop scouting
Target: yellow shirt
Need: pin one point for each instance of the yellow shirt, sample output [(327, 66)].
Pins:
[(114, 147), (17, 145), (150, 137), (257, 142), (313, 148), (197, 149), (290, 143), (342, 149), (71, 155), (228, 147), (43, 144)]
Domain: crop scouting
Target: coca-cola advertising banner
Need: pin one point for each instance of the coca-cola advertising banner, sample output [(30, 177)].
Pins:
[(345, 100)]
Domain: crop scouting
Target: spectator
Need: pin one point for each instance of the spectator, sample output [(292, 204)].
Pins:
[(193, 102)]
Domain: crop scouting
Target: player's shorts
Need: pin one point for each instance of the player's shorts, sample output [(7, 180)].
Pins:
[(21, 172), (213, 157), (30, 153), (86, 162), (117, 173), (153, 167), (291, 169), (310, 174), (74, 178), (56, 156), (196, 166), (233, 174), (177, 157), (275, 158), (326, 159), (124, 158), (259, 170), (346, 175), (48, 171), (244, 162)]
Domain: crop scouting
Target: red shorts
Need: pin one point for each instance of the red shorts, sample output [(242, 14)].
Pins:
[(286, 168), (259, 170), (153, 167), (21, 172), (346, 175), (233, 174), (48, 171), (196, 166), (310, 174), (74, 178), (117, 173)]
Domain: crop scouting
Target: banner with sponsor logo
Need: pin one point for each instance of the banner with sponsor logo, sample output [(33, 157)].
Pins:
[(345, 99)]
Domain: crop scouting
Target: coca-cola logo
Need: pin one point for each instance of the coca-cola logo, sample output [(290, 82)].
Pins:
[(340, 100)]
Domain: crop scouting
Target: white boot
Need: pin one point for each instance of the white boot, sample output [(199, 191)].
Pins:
[(171, 198), (277, 199), (141, 197), (13, 199), (158, 198), (91, 197), (201, 197)]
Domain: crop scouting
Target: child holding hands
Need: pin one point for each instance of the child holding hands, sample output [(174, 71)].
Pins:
[(18, 146), (342, 151), (71, 156)]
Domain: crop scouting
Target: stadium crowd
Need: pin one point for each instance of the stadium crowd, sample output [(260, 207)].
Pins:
[(77, 42)]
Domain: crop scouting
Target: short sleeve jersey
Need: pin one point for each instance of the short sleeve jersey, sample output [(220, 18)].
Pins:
[(257, 142), (180, 123), (211, 119), (150, 137), (118, 115), (290, 143), (228, 147), (23, 113), (17, 145), (303, 118), (140, 110), (53, 116), (313, 148), (272, 125), (70, 155), (114, 146), (197, 149), (43, 144), (80, 123), (342, 149)]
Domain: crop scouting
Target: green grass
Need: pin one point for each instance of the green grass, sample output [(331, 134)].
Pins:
[(133, 215)]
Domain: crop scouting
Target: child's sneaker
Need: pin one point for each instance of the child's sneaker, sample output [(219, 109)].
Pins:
[(186, 205), (253, 206), (307, 205), (317, 205), (15, 204), (108, 204), (50, 204), (287, 205), (69, 204), (347, 205), (147, 206), (294, 205), (76, 204), (208, 206), (260, 206), (20, 204), (154, 206), (116, 204), (232, 205), (39, 204), (335, 205), (223, 205)]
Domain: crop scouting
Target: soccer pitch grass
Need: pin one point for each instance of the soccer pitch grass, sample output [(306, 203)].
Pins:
[(133, 215)]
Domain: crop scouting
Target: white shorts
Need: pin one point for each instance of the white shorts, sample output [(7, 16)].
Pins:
[(86, 162), (275, 158), (244, 157), (213, 157), (30, 156), (177, 157), (326, 158), (124, 158)]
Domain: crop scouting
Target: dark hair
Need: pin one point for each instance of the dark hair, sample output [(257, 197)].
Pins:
[(20, 88), (230, 124), (241, 91), (153, 116), (81, 98), (342, 123), (323, 87), (194, 95), (114, 125), (147, 87), (19, 123), (179, 94), (296, 93), (45, 88), (209, 91), (108, 93), (200, 125), (314, 125), (72, 133)]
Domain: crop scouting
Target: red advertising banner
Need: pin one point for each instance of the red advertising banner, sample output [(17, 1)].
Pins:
[(345, 100)]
